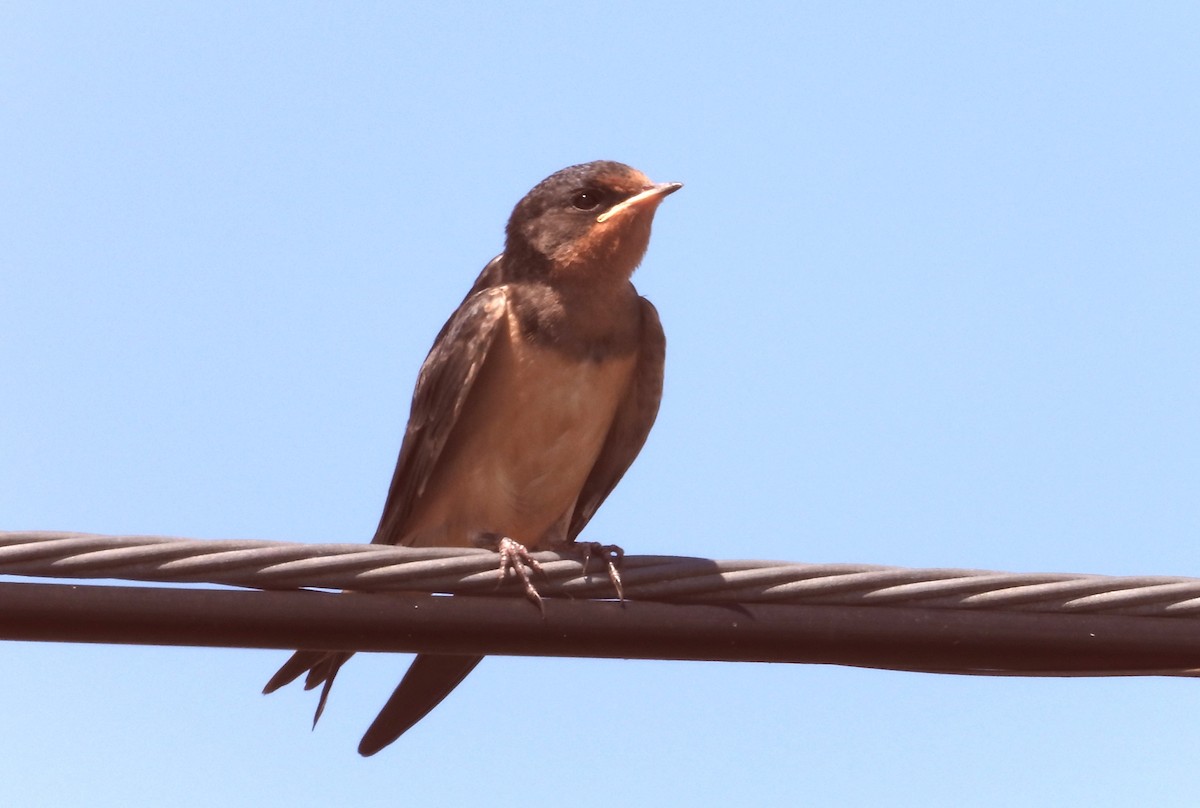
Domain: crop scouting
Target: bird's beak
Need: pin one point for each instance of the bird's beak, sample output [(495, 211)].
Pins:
[(652, 195)]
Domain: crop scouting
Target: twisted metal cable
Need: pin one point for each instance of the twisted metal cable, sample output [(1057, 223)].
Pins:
[(382, 568)]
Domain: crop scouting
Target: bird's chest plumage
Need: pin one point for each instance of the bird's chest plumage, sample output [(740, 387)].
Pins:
[(529, 434)]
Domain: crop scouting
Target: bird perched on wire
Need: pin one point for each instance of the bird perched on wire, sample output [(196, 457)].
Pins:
[(536, 397)]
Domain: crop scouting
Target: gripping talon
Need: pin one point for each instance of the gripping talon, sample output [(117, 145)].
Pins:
[(515, 558), (614, 575), (612, 560)]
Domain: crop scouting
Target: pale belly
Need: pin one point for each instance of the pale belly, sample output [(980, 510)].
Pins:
[(525, 442)]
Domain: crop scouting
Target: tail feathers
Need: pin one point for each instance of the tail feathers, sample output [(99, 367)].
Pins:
[(299, 663), (429, 679), (321, 667), (324, 671)]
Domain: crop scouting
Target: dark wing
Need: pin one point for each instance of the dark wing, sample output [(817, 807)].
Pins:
[(443, 385), (442, 388), (433, 676), (635, 415), (429, 679)]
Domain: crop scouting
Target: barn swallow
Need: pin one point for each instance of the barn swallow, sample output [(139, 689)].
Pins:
[(536, 397)]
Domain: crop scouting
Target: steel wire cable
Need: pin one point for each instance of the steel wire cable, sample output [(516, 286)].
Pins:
[(376, 568)]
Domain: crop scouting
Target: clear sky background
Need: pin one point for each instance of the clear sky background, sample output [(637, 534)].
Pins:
[(931, 295)]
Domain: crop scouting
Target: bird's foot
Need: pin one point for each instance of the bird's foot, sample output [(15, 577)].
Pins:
[(612, 555), (515, 558)]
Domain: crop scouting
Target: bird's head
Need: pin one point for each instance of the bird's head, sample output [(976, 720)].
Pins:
[(589, 221)]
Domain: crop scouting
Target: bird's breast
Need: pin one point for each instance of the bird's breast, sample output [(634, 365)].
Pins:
[(530, 431)]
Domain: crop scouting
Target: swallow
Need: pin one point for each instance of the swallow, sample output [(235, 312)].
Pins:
[(536, 397)]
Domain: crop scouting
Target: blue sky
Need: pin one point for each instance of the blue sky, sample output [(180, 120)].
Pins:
[(930, 295)]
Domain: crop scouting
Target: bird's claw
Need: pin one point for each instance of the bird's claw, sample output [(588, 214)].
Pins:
[(515, 558), (612, 555)]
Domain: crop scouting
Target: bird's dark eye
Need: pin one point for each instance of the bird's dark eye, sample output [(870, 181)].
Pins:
[(588, 199)]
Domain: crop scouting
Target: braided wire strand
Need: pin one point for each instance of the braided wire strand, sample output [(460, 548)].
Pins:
[(381, 568)]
